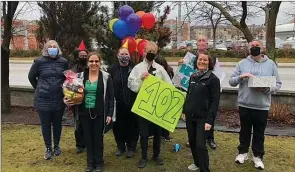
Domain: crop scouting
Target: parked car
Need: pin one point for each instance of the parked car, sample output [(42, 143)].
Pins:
[(290, 42), (220, 46), (229, 44)]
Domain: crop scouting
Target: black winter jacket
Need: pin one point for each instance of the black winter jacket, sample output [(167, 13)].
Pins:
[(120, 79), (46, 76), (202, 100)]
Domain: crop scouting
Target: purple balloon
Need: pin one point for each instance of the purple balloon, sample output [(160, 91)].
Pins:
[(134, 23), (125, 11)]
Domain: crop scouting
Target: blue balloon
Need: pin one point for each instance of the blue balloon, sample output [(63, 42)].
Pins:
[(125, 11), (134, 23), (120, 29)]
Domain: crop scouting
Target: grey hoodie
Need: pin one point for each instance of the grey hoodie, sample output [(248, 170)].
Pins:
[(250, 97)]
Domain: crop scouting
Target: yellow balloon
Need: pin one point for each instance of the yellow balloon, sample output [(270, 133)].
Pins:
[(137, 40), (111, 23)]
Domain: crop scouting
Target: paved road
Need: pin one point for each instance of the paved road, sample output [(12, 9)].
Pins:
[(19, 75)]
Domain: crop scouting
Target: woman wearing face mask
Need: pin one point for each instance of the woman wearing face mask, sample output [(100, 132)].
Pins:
[(199, 109), (96, 110), (125, 127), (46, 77), (141, 71)]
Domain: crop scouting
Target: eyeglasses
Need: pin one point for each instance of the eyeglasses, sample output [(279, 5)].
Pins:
[(91, 61), (83, 56)]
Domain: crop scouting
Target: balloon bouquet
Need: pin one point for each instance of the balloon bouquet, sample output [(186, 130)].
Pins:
[(128, 25)]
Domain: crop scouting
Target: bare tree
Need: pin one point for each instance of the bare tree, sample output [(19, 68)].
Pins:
[(8, 9), (208, 14), (226, 7), (271, 9)]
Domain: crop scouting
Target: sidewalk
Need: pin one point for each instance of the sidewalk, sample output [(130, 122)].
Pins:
[(270, 130)]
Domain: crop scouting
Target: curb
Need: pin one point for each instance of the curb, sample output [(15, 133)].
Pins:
[(21, 62), (269, 131)]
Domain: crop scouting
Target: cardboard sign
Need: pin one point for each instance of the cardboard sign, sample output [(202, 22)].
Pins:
[(183, 73), (262, 81), (159, 102)]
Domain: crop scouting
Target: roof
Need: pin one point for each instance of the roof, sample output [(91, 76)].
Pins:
[(285, 27)]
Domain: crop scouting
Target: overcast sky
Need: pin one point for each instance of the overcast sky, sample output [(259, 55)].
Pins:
[(31, 11)]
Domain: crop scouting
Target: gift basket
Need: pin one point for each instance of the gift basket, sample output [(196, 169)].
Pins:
[(73, 87)]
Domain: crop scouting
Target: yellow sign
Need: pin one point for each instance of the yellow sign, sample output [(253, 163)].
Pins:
[(159, 102)]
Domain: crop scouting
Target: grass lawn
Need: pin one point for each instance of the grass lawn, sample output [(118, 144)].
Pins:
[(23, 149)]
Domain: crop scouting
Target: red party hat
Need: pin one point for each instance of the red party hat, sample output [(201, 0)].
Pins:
[(82, 46)]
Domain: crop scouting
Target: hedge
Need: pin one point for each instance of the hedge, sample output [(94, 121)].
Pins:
[(25, 53), (281, 53)]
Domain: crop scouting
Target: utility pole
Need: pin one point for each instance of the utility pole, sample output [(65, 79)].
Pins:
[(179, 23)]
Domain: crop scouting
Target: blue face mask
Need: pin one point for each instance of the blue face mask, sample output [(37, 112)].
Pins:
[(52, 52)]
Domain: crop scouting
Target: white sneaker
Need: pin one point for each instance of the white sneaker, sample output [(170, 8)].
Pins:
[(241, 158), (258, 163), (193, 167)]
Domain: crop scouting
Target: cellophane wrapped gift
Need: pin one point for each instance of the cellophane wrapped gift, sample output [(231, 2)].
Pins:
[(73, 87)]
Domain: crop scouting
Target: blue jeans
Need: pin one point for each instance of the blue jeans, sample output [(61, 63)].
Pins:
[(47, 118)]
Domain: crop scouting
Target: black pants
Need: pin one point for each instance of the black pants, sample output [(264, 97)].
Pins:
[(165, 133), (210, 133), (47, 118), (145, 128), (93, 134), (197, 140), (79, 133), (125, 128), (258, 120)]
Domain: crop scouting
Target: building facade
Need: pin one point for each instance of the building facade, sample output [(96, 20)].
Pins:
[(23, 35), (174, 25)]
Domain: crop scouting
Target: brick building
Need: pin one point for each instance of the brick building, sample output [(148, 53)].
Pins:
[(173, 25), (24, 35)]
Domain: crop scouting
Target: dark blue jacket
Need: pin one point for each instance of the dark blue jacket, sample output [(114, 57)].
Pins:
[(46, 76)]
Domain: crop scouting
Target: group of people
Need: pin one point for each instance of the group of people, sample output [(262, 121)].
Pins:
[(115, 91)]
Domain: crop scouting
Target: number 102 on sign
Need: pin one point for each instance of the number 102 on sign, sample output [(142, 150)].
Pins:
[(159, 102)]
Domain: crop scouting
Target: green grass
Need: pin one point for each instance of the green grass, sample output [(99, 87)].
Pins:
[(23, 149)]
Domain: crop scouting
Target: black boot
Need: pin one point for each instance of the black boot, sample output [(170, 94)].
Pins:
[(212, 144)]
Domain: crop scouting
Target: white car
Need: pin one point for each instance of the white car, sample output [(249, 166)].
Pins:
[(220, 46), (291, 42)]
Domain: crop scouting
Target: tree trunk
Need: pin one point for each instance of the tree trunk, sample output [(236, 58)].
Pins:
[(270, 32), (214, 37), (5, 90)]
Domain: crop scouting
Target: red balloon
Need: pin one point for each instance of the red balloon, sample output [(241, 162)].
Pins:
[(148, 20), (131, 45), (141, 46)]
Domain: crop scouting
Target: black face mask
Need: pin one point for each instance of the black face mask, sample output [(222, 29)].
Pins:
[(82, 61), (255, 51), (150, 56)]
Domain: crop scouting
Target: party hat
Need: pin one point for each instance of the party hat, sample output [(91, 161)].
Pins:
[(125, 45), (82, 46)]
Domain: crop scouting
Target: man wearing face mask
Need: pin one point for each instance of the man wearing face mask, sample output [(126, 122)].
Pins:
[(81, 65), (141, 71), (254, 103), (125, 127)]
